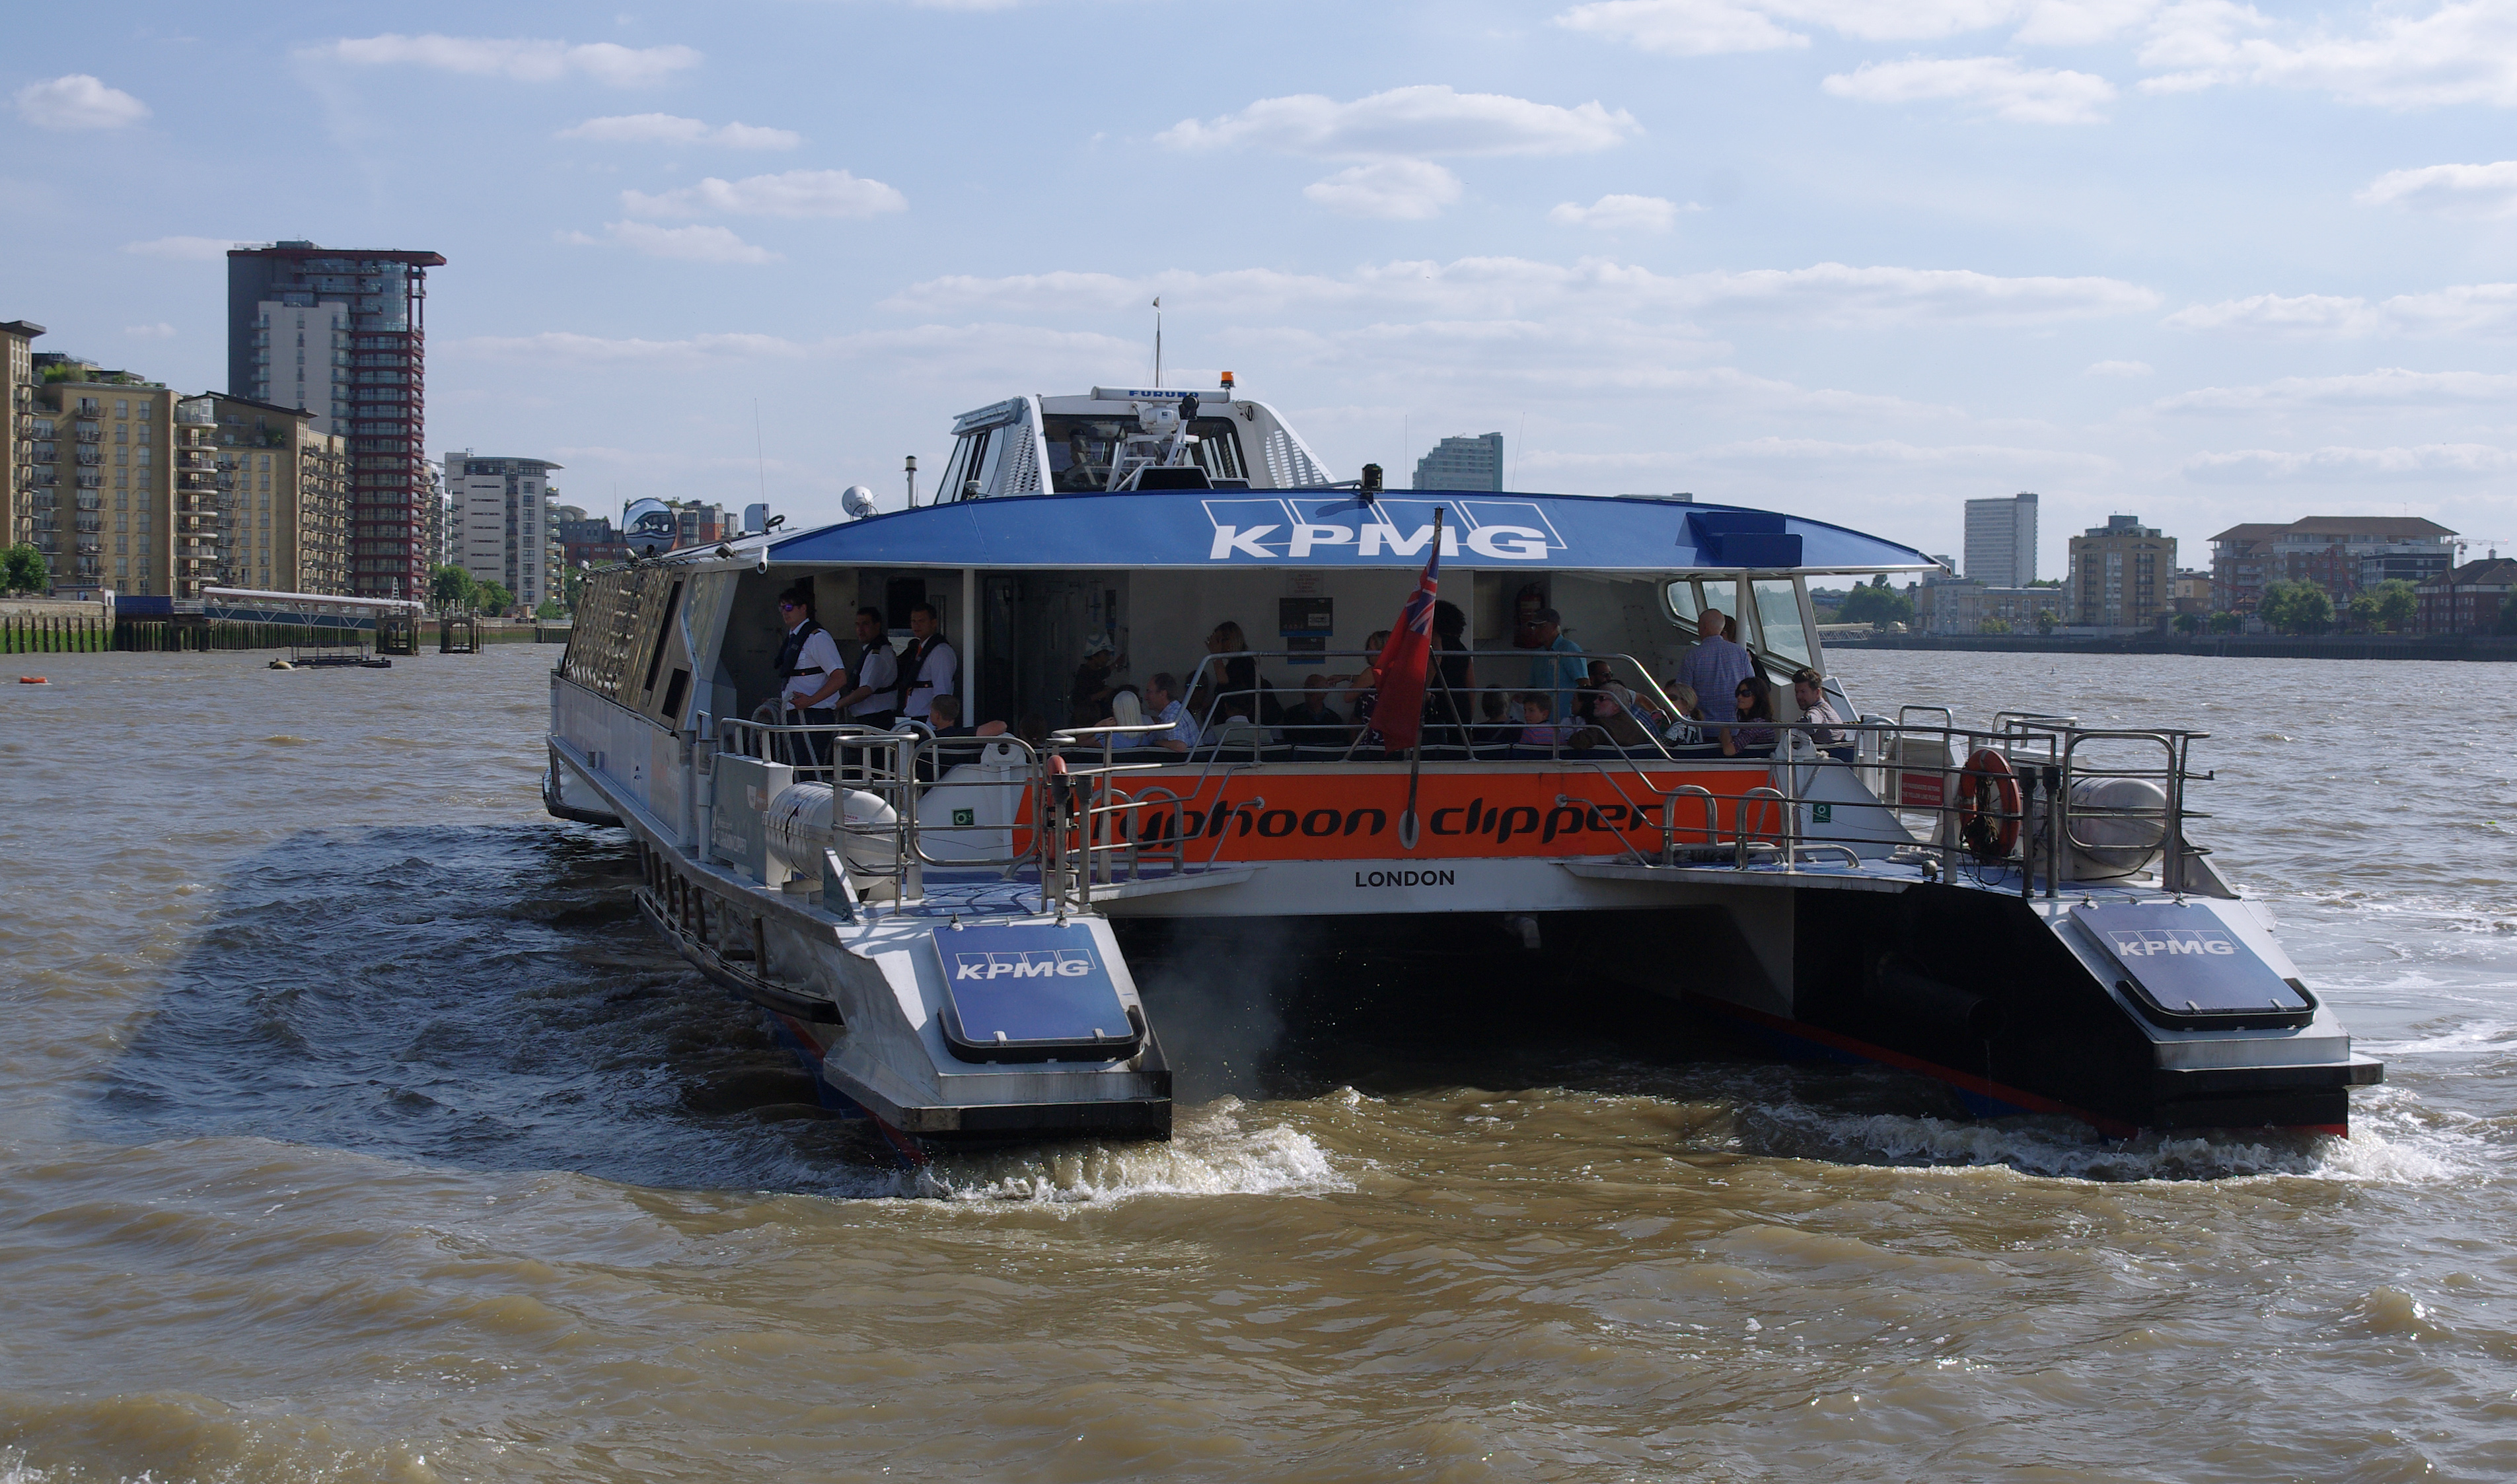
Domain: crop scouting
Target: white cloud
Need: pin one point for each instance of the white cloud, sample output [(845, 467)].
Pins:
[(1620, 213), (1502, 288), (2471, 192), (78, 101), (2466, 309), (596, 349), (1998, 85), (695, 244), (2278, 314), (1832, 293), (516, 59), (1815, 452), (667, 129), (2119, 368), (1682, 28), (976, 358), (1901, 20), (1711, 27), (2081, 23), (2460, 52), (161, 330), (792, 194), (1394, 190), (2387, 388), (2422, 463), (1409, 122), (183, 249)]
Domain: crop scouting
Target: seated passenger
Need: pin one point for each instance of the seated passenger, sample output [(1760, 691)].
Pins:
[(1180, 729), (1756, 707), (1826, 728), (1609, 716), (1539, 729), (1494, 730), (1234, 726), (1313, 722), (1237, 672), (1126, 710), (1683, 730), (944, 714), (1363, 687)]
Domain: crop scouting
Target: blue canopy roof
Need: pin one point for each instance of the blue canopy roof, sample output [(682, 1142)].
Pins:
[(1209, 528)]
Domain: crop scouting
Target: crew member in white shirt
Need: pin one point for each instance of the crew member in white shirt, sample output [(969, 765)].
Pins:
[(809, 667), (877, 673), (926, 668)]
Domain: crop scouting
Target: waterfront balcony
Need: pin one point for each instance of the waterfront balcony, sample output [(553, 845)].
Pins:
[(89, 433)]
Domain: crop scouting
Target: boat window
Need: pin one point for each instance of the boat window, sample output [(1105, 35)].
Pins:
[(1778, 617), (1686, 601), (969, 462), (1081, 447), (664, 631)]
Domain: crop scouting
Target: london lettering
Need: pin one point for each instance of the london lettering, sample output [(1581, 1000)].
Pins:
[(1404, 878)]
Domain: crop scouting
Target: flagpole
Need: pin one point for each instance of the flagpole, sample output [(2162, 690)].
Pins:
[(1416, 753)]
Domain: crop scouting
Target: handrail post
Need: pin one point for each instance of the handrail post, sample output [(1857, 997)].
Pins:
[(2056, 820), (2171, 874), (913, 876)]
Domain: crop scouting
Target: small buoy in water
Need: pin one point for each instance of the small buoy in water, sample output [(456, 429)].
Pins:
[(32, 680), (282, 664)]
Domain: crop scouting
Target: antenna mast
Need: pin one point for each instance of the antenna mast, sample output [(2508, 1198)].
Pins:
[(759, 455), (1158, 342)]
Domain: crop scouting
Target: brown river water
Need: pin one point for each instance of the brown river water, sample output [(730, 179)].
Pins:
[(351, 1127)]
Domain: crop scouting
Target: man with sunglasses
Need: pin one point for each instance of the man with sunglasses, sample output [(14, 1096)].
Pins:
[(810, 671)]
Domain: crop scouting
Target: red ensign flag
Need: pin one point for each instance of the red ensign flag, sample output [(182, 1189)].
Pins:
[(1398, 713)]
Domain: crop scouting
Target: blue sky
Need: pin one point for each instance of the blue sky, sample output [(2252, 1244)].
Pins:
[(2196, 262)]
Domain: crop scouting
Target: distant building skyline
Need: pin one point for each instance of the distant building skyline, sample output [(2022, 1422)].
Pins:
[(2122, 574), (2339, 553), (2001, 540), (500, 522), (341, 332), (1462, 463)]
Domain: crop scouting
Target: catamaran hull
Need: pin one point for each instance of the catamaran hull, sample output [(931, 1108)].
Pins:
[(2012, 1002)]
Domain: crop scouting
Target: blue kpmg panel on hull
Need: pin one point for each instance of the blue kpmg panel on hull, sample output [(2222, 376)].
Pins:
[(1030, 991), (1209, 528), (2185, 965)]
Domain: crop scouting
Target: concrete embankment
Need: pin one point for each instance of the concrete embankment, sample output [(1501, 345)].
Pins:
[(2221, 646)]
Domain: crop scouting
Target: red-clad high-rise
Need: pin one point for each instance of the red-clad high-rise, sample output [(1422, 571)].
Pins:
[(341, 333)]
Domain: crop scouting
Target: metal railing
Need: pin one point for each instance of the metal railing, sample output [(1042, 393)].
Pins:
[(1072, 824)]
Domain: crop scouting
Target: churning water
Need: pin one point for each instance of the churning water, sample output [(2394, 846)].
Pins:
[(351, 1127)]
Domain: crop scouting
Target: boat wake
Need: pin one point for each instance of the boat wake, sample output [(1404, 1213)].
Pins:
[(1222, 1148), (2395, 1140)]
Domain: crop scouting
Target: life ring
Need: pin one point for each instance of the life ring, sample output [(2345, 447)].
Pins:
[(1988, 810)]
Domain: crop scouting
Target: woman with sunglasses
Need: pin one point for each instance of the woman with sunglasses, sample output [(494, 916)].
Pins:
[(1756, 707)]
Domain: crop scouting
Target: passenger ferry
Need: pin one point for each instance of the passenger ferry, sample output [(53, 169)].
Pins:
[(938, 924)]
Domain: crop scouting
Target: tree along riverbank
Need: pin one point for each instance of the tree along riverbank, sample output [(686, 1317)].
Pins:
[(2248, 645)]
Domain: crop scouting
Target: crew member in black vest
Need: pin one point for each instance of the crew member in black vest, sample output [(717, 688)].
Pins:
[(926, 667), (878, 690), (809, 670)]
